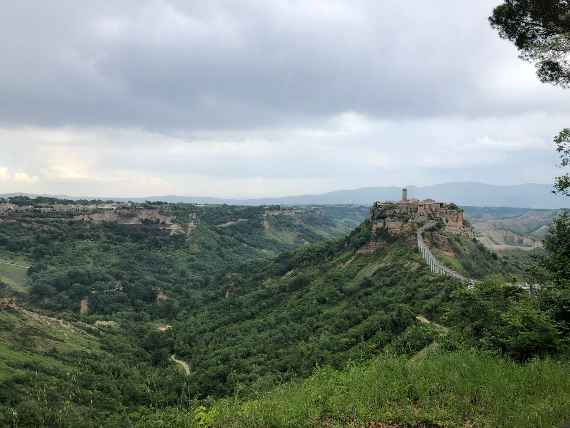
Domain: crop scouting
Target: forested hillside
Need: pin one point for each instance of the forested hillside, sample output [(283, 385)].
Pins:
[(325, 305), (433, 292), (121, 267), (135, 278), (238, 306)]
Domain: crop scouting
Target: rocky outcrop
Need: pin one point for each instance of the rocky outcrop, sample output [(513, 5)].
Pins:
[(128, 216), (369, 248), (405, 217), (84, 306), (403, 220)]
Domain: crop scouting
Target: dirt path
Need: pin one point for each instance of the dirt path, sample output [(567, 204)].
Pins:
[(231, 223), (432, 346), (424, 320), (7, 262), (183, 364)]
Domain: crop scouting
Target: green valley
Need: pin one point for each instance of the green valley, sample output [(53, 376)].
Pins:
[(285, 214), (187, 315)]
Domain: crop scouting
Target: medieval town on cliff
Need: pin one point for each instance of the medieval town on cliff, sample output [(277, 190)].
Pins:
[(407, 215)]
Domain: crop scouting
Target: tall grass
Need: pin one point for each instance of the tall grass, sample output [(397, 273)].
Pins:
[(459, 389)]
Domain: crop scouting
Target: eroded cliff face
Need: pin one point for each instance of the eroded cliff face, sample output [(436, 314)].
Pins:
[(135, 216), (393, 219), (128, 216), (405, 217)]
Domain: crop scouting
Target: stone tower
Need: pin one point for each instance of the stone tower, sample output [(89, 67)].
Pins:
[(404, 194)]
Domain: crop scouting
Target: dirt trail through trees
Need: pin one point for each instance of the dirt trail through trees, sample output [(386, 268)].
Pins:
[(183, 364)]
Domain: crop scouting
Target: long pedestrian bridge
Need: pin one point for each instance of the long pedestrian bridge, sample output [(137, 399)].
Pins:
[(434, 264)]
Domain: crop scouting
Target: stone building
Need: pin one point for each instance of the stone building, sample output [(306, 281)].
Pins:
[(407, 215)]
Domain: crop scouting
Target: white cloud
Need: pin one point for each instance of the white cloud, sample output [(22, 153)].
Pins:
[(349, 150), (24, 178), (8, 177), (62, 164), (4, 174)]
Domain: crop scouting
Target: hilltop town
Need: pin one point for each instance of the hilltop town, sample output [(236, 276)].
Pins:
[(407, 215)]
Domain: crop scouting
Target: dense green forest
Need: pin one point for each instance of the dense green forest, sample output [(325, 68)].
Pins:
[(251, 310), (319, 306), (122, 267)]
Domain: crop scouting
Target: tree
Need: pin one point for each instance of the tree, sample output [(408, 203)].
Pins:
[(562, 143), (526, 331), (498, 316), (555, 275), (557, 246), (540, 29)]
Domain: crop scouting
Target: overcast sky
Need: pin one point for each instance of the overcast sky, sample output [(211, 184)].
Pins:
[(265, 97)]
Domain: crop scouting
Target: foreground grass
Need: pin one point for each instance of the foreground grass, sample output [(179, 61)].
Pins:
[(460, 389)]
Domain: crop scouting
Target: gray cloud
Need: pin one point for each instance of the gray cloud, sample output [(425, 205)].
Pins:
[(256, 97), (190, 65)]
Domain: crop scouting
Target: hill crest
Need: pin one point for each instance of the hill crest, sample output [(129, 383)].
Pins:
[(538, 196)]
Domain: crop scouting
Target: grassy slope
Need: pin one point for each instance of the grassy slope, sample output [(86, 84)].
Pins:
[(13, 276), (29, 340), (458, 389), (59, 374), (14, 271)]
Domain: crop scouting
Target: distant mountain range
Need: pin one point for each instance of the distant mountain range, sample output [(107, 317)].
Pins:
[(468, 194)]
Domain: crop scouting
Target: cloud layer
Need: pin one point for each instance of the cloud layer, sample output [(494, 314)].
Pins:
[(253, 97)]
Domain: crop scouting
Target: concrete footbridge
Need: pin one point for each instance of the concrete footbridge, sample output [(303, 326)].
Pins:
[(435, 265)]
